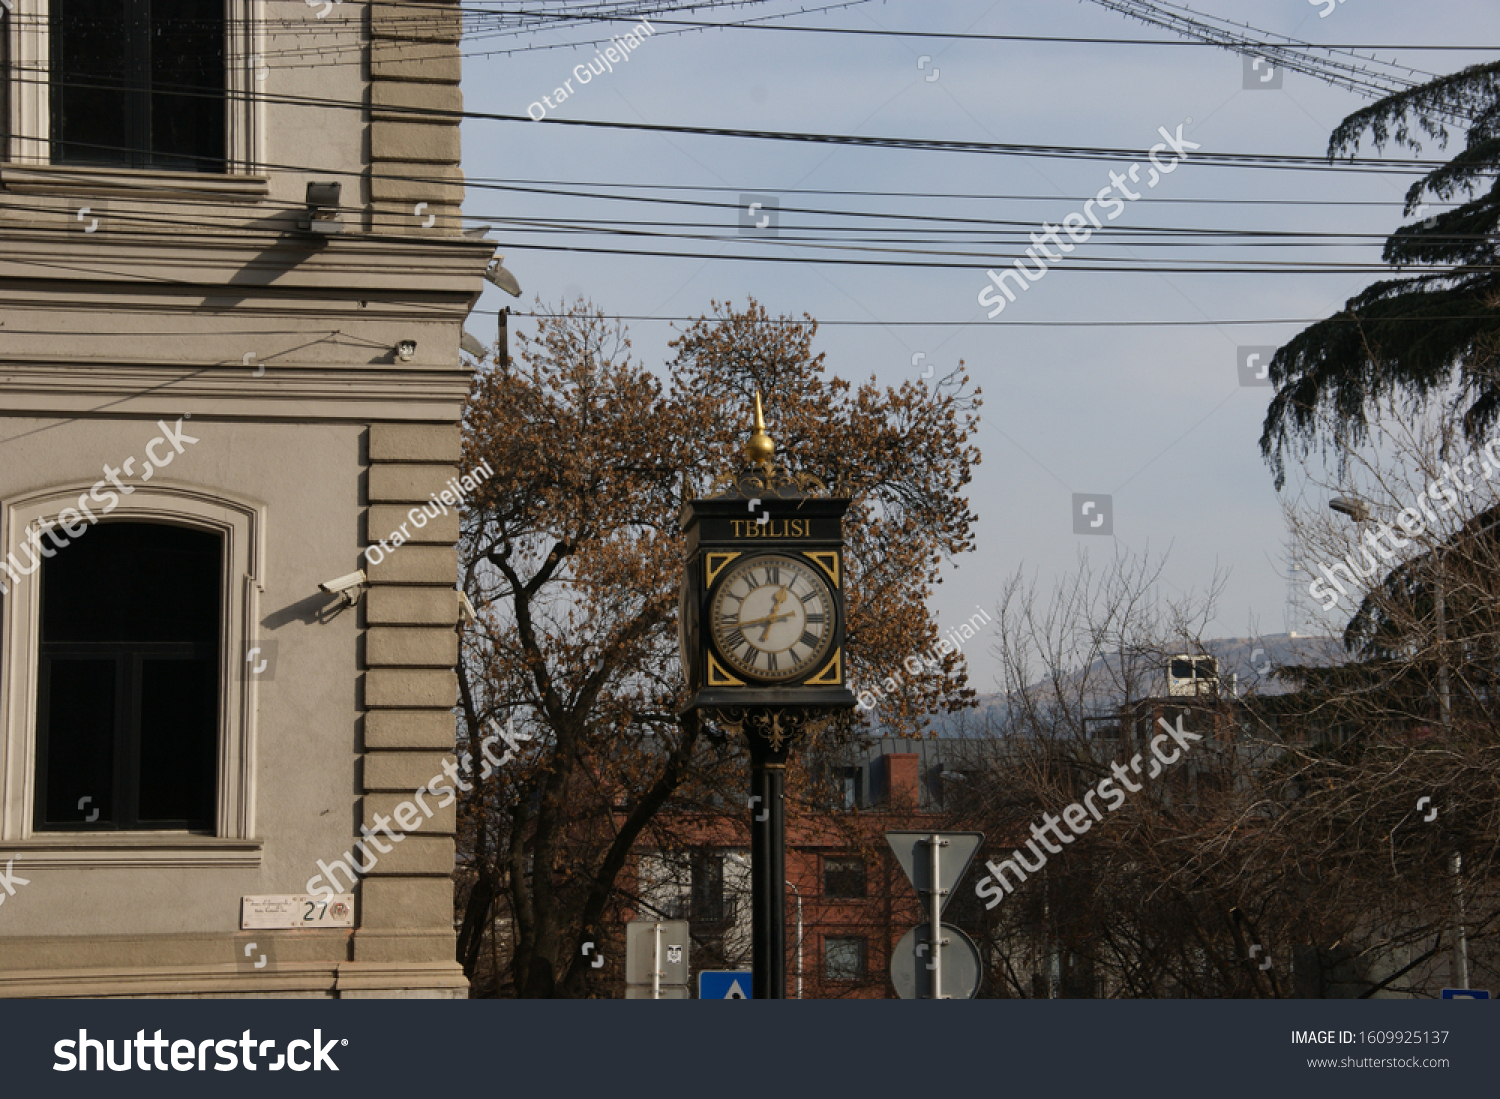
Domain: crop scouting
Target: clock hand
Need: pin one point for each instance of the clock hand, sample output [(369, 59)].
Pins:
[(768, 618), (776, 601)]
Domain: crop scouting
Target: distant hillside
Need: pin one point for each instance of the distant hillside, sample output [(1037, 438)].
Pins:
[(1246, 666)]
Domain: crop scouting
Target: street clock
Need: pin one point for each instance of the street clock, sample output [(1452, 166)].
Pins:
[(761, 625), (761, 620)]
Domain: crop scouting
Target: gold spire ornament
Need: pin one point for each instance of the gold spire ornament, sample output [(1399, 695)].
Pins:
[(760, 450), (763, 478)]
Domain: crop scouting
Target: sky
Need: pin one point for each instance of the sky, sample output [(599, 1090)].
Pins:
[(1152, 416)]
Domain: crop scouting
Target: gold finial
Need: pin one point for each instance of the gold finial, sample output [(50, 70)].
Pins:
[(760, 449)]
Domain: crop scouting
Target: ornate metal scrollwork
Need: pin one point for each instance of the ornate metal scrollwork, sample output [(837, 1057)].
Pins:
[(779, 484), (773, 729)]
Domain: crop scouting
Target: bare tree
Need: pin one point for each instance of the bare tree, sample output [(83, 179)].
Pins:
[(1273, 852)]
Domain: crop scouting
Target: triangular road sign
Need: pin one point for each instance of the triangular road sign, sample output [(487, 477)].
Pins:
[(914, 853), (725, 984)]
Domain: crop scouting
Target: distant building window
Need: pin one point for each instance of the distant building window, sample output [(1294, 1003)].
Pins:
[(138, 83), (843, 877), (843, 958), (128, 679), (854, 787), (708, 900)]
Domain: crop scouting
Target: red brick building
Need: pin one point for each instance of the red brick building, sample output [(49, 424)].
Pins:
[(848, 901)]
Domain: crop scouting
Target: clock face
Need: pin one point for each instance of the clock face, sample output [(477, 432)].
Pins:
[(772, 617)]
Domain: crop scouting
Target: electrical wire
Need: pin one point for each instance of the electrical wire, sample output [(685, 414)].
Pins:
[(1104, 154)]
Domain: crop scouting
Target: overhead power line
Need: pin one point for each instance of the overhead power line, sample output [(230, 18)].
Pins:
[(966, 36), (1359, 74), (1196, 157), (1302, 321)]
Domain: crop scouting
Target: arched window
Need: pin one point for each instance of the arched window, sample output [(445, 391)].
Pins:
[(128, 679)]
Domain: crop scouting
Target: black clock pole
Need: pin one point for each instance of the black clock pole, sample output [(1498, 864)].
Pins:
[(768, 873)]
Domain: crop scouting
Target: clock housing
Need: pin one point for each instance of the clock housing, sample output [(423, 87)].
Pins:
[(761, 618)]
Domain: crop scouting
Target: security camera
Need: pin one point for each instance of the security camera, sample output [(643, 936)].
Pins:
[(347, 587), (405, 350)]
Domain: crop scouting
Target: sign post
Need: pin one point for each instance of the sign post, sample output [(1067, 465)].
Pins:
[(935, 844), (934, 878), (656, 960)]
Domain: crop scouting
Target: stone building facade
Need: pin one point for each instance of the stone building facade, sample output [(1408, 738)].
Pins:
[(221, 380)]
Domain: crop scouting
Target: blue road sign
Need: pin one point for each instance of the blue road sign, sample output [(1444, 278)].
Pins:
[(1465, 994), (724, 984)]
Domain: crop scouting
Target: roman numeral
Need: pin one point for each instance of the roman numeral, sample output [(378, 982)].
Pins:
[(774, 574), (809, 639), (771, 661), (734, 639), (817, 619), (810, 595), (729, 619), (750, 653)]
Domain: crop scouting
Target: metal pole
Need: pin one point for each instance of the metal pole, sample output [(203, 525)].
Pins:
[(798, 894), (767, 878), (656, 961), (935, 935), (1461, 944), (1460, 949)]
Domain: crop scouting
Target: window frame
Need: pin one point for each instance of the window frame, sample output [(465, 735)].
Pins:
[(864, 958), (864, 877), (241, 526), (31, 99)]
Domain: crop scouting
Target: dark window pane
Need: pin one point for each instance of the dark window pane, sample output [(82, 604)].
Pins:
[(6, 76), (844, 877), (96, 98), (187, 85), (138, 83), (78, 715), (177, 771), (133, 582), (708, 889), (843, 959), (129, 671)]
